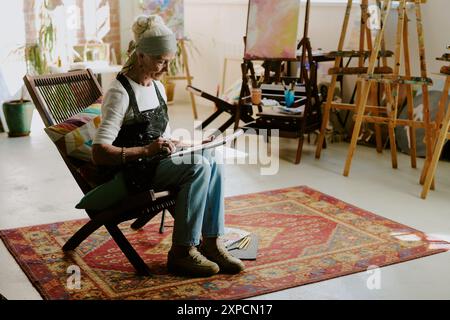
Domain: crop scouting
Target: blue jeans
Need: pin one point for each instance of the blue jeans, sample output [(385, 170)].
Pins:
[(199, 208)]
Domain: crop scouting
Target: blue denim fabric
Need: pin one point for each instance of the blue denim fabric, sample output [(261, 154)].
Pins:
[(199, 208)]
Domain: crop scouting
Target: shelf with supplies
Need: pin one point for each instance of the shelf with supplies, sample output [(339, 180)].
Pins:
[(290, 124)]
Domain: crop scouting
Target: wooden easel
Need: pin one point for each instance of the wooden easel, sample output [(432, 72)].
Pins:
[(365, 38), (442, 121), (186, 75), (392, 83), (294, 126)]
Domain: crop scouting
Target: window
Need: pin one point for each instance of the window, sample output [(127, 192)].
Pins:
[(97, 22), (12, 67)]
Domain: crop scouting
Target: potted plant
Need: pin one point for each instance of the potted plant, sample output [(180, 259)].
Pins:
[(18, 116), (38, 57)]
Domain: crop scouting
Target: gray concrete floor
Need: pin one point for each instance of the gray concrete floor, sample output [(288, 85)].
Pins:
[(36, 188)]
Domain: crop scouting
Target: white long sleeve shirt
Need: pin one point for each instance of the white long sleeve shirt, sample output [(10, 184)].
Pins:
[(116, 111)]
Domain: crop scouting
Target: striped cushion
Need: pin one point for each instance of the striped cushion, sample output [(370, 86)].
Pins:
[(74, 136)]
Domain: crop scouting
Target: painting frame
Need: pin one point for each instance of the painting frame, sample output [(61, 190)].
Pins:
[(286, 47)]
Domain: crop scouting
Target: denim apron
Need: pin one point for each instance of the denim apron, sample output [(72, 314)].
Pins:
[(146, 127)]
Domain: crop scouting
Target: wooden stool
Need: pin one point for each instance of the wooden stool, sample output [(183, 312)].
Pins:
[(442, 121), (392, 84), (365, 38)]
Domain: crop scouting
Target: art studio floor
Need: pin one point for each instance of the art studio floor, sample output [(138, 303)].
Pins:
[(36, 188)]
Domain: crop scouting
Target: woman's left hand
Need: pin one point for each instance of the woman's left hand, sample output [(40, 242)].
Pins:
[(211, 138), (168, 147)]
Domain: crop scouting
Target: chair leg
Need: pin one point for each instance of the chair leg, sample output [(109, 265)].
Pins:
[(225, 126), (128, 250), (142, 221), (161, 226), (299, 150), (81, 235), (96, 222), (210, 119), (268, 143)]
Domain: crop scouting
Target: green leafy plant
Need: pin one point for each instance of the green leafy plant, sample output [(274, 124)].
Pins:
[(39, 56), (177, 64)]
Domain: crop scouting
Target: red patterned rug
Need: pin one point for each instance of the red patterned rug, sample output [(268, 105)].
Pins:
[(305, 237)]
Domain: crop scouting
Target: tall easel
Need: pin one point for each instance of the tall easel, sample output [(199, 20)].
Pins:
[(365, 39), (295, 126), (392, 84), (186, 75), (442, 122)]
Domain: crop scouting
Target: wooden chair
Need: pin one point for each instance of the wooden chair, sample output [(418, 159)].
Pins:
[(58, 97)]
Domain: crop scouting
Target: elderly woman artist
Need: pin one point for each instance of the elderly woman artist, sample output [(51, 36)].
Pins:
[(135, 128)]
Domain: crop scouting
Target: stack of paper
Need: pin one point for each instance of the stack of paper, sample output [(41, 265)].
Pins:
[(286, 110)]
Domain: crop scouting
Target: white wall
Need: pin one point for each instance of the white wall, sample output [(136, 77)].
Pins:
[(217, 27), (437, 35), (11, 64), (12, 67)]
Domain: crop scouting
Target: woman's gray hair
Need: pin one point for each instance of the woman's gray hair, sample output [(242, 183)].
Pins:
[(151, 37)]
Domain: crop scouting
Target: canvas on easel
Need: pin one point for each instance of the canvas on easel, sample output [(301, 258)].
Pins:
[(275, 42), (272, 29)]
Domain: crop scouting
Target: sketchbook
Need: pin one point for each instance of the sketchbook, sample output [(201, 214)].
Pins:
[(213, 144)]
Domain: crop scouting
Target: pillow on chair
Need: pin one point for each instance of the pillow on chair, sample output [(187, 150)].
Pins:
[(74, 136), (105, 195)]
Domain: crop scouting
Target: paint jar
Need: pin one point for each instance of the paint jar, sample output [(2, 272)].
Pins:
[(256, 96), (289, 98)]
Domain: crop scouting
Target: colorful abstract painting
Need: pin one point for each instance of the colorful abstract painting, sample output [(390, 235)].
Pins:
[(272, 29), (172, 11)]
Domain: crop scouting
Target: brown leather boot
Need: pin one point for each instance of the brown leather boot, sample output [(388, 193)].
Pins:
[(214, 250), (190, 263)]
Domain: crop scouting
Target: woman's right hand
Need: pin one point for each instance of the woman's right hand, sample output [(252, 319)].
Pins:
[(160, 145)]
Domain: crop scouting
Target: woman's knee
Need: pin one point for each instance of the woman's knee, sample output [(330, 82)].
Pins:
[(201, 165), (216, 165), (207, 153), (213, 160), (200, 159)]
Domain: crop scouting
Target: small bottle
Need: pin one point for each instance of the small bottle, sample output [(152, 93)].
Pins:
[(256, 96), (289, 97)]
